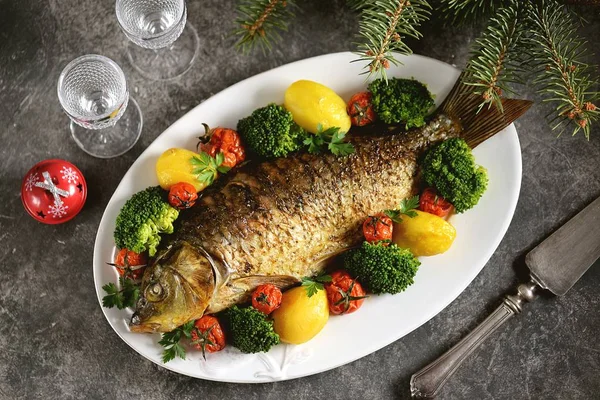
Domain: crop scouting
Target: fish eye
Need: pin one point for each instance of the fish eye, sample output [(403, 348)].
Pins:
[(154, 292)]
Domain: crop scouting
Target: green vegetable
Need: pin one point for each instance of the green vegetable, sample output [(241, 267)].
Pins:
[(271, 132), (170, 341), (122, 298), (207, 168), (142, 218), (450, 167), (405, 101), (382, 269), (332, 137), (313, 285), (250, 330), (407, 207)]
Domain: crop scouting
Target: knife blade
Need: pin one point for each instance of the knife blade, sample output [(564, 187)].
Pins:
[(560, 260), (556, 264)]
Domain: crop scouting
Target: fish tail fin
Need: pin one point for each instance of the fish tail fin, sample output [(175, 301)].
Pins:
[(480, 123)]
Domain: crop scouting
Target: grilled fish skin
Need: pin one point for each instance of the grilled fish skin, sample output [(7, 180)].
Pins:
[(277, 221)]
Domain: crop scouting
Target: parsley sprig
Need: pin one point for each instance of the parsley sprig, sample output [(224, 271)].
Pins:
[(407, 207), (207, 168), (170, 341), (332, 138), (122, 298), (313, 285)]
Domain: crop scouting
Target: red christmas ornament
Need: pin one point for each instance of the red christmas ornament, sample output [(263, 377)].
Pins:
[(53, 191)]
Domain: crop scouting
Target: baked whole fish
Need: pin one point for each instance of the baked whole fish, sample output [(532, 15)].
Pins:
[(278, 221)]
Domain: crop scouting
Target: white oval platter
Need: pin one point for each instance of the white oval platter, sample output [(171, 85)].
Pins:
[(382, 319)]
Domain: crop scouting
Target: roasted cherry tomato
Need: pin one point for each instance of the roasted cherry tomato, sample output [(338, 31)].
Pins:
[(130, 264), (378, 227), (182, 195), (433, 203), (360, 109), (344, 294), (266, 298), (207, 335), (226, 141)]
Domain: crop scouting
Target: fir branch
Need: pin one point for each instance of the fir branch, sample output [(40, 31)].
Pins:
[(261, 21), (563, 77), (463, 11), (495, 60), (383, 27)]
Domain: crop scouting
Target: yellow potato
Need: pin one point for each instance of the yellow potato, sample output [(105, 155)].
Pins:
[(312, 104), (425, 235), (300, 318), (174, 166)]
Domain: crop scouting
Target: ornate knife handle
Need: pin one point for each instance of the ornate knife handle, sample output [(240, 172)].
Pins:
[(428, 381)]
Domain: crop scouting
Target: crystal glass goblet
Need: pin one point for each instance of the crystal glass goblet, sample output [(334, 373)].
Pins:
[(92, 91), (162, 45)]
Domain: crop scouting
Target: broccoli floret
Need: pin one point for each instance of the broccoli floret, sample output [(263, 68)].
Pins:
[(142, 218), (404, 101), (450, 167), (382, 269), (249, 330), (271, 132)]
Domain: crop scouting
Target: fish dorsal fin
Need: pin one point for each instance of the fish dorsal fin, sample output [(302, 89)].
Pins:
[(480, 123)]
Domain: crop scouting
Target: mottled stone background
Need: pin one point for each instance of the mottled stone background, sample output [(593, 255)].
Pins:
[(54, 340)]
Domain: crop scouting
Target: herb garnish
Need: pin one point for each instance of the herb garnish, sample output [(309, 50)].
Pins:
[(312, 285), (332, 137), (127, 296), (407, 207), (207, 168), (170, 341)]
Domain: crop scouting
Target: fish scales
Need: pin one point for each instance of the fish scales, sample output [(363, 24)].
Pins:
[(278, 221)]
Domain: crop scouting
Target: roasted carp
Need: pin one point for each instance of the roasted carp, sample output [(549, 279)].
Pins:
[(278, 221)]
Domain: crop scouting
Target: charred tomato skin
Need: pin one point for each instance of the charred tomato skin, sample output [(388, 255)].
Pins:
[(266, 298), (182, 195), (344, 294), (433, 203), (226, 141), (377, 228), (360, 109), (208, 333), (127, 263)]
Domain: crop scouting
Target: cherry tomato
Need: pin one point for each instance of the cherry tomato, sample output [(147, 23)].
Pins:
[(130, 264), (226, 141), (207, 335), (344, 294), (433, 203), (378, 227), (360, 109), (182, 195), (266, 298)]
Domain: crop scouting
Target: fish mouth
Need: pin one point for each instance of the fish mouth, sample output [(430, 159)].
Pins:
[(189, 277)]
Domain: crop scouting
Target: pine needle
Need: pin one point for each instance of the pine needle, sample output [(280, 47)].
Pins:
[(463, 11), (496, 58), (383, 27), (562, 75), (261, 21)]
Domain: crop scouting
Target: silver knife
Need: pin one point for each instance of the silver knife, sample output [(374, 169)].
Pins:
[(555, 265)]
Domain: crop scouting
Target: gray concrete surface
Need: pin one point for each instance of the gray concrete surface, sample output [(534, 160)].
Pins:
[(56, 344)]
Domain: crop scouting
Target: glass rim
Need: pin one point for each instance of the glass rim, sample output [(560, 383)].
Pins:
[(153, 35), (79, 60)]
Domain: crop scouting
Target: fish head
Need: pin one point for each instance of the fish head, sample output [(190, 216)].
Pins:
[(176, 288)]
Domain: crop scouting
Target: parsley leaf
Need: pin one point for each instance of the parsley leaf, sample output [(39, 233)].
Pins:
[(407, 207), (127, 296), (207, 168), (170, 341), (313, 285), (332, 137)]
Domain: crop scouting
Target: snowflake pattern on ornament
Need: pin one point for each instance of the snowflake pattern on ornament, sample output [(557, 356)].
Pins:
[(69, 174), (31, 181), (57, 210)]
